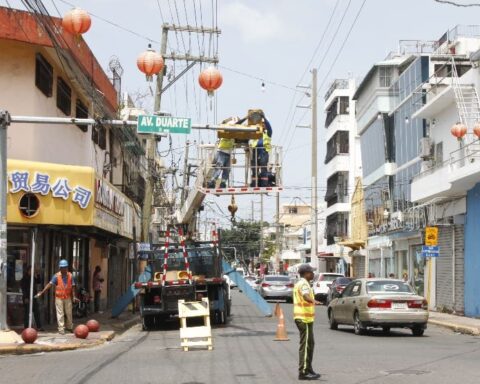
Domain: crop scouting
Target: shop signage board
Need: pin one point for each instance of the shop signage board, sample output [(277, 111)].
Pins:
[(163, 124)]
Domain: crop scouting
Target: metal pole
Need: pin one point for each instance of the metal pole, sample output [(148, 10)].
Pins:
[(314, 231), (277, 228), (261, 227), (4, 122), (32, 277), (151, 150)]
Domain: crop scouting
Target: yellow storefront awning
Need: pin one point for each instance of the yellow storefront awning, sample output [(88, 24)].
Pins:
[(354, 244)]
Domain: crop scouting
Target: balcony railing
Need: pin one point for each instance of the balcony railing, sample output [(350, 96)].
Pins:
[(337, 84)]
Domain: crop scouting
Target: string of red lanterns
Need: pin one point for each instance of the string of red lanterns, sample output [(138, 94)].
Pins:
[(459, 130), (77, 21)]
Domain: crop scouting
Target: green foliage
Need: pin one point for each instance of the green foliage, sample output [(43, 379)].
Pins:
[(245, 237)]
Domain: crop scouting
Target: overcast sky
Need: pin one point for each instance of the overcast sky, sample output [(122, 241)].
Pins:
[(271, 40)]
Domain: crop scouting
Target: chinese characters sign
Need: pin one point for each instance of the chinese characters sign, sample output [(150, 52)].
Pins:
[(43, 184)]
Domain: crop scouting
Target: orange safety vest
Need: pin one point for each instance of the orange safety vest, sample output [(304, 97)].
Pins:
[(302, 309), (62, 291)]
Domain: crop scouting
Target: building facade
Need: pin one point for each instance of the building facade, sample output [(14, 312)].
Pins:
[(73, 191)]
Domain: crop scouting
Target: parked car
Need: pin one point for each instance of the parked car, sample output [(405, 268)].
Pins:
[(379, 303), (321, 284), (337, 287), (276, 287), (252, 281)]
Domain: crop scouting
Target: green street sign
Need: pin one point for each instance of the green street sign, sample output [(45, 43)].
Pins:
[(159, 124)]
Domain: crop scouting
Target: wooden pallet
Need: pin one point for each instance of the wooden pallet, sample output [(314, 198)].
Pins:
[(195, 336)]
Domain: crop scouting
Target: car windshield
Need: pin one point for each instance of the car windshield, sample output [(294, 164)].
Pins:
[(343, 281), (277, 278), (328, 277), (388, 286)]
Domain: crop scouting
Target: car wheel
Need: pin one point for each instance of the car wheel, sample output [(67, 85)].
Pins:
[(331, 319), (386, 330), (358, 327), (418, 331)]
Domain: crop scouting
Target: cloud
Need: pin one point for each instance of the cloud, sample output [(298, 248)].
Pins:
[(254, 25)]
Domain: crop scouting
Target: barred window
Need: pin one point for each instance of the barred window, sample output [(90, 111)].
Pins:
[(43, 75), (81, 112), (64, 97), (99, 136)]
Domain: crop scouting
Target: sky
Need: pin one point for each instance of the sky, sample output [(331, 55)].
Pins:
[(269, 41)]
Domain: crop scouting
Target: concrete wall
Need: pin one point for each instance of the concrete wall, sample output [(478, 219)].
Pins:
[(63, 144), (472, 252)]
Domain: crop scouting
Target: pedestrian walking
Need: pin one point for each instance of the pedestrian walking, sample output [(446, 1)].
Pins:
[(304, 316), (97, 284), (25, 284), (64, 295)]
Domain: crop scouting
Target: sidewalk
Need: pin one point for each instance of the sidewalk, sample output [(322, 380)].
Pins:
[(461, 324), (50, 340)]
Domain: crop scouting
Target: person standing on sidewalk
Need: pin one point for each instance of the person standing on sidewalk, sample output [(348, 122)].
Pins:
[(304, 316), (97, 282), (25, 282), (64, 295)]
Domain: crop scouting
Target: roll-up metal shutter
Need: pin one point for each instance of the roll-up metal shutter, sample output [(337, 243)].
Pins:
[(358, 266), (459, 303), (450, 241)]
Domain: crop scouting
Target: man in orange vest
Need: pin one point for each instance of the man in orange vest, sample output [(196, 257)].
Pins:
[(64, 294), (304, 316)]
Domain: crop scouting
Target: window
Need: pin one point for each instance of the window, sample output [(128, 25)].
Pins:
[(293, 210), (64, 97), (43, 75), (439, 154), (29, 205), (99, 136), (344, 107), (385, 76), (81, 112)]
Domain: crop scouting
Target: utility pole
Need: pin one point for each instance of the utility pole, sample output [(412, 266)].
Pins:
[(314, 230), (277, 229), (151, 142), (4, 122), (261, 227)]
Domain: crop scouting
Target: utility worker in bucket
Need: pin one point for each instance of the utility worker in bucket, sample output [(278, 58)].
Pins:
[(64, 294), (222, 160), (259, 161), (304, 316)]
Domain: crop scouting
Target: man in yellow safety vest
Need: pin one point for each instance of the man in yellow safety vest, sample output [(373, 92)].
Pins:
[(259, 160), (304, 316), (223, 158)]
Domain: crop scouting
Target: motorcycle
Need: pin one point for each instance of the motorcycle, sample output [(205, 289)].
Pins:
[(82, 306)]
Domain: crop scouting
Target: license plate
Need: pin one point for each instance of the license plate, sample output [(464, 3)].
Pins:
[(277, 288), (399, 306)]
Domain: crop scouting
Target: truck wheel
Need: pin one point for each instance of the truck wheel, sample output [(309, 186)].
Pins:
[(147, 322)]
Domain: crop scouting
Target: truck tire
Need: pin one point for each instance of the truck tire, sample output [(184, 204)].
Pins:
[(147, 322)]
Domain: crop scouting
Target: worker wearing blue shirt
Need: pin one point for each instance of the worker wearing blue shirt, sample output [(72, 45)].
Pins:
[(259, 161)]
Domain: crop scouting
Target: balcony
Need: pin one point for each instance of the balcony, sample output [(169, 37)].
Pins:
[(452, 178), (340, 163), (337, 84)]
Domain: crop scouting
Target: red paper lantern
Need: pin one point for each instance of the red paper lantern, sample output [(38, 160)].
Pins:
[(459, 130), (93, 325), (81, 331), (29, 335), (476, 130), (210, 79), (150, 62), (77, 21)]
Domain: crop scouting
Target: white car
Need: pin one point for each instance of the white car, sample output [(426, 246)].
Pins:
[(322, 283)]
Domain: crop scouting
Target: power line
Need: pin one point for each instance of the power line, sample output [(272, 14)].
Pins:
[(457, 4)]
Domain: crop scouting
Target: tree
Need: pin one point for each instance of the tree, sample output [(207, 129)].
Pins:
[(245, 237)]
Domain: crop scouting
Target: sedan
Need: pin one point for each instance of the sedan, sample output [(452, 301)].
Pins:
[(379, 303), (276, 287), (337, 287), (321, 284)]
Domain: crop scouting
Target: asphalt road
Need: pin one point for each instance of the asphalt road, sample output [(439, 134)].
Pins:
[(244, 352)]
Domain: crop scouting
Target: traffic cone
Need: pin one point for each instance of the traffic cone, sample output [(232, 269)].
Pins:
[(281, 334)]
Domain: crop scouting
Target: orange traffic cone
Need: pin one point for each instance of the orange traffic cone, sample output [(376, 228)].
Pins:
[(281, 331)]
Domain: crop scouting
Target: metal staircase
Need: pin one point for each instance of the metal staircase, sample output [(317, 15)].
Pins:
[(468, 106)]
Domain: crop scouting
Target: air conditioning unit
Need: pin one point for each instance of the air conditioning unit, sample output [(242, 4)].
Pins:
[(426, 165), (425, 150)]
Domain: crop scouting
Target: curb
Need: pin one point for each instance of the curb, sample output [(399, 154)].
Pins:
[(24, 349), (464, 329)]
